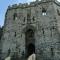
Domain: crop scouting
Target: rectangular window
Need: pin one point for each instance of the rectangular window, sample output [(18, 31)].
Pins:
[(15, 16), (15, 34), (58, 12), (43, 11)]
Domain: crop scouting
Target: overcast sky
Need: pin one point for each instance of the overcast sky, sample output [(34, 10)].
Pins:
[(5, 3)]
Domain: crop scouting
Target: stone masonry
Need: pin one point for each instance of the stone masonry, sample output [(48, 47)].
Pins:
[(33, 27)]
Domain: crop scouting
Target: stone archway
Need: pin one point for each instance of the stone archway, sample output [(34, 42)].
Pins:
[(29, 42), (30, 49)]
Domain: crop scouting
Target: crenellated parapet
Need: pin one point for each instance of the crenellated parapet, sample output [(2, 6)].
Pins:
[(20, 5), (58, 3)]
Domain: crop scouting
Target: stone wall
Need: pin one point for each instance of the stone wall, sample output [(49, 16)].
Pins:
[(43, 18)]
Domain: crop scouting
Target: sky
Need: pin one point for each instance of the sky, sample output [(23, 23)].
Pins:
[(4, 5)]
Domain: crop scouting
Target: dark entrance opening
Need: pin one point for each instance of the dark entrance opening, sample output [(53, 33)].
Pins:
[(29, 42), (31, 49)]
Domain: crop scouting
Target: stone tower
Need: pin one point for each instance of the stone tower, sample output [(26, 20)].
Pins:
[(32, 28)]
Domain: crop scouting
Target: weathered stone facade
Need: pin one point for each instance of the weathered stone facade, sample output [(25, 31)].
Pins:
[(35, 24)]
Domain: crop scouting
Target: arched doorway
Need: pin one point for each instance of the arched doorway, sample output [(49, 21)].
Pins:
[(31, 49), (30, 42)]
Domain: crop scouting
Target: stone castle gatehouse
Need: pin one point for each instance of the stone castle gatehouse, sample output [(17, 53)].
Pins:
[(32, 28)]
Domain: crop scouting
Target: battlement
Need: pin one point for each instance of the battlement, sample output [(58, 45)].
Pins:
[(20, 5), (56, 2), (23, 5)]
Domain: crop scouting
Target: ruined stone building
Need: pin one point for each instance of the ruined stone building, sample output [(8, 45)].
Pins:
[(33, 27)]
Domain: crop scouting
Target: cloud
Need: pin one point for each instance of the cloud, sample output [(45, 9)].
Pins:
[(58, 0), (31, 0), (25, 1), (39, 0)]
